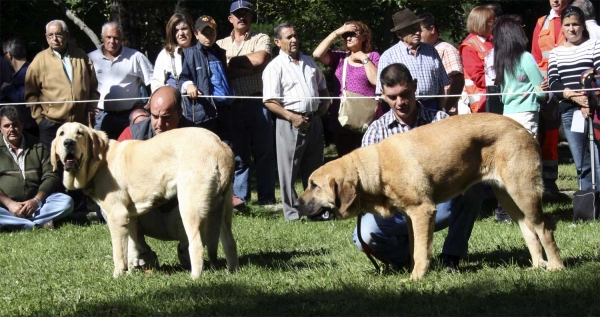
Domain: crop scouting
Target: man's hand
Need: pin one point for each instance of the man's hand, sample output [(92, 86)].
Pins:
[(28, 207), (193, 91), (4, 85), (299, 121), (14, 208)]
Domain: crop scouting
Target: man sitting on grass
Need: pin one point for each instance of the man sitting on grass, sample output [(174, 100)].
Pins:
[(29, 188)]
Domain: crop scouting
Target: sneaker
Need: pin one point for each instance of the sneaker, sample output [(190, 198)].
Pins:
[(450, 262), (501, 215), (323, 216)]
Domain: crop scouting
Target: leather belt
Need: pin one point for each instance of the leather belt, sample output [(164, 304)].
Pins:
[(309, 114)]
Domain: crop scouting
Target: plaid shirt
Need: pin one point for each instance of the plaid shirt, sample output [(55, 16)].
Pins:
[(388, 125), (450, 57), (427, 67), (254, 42)]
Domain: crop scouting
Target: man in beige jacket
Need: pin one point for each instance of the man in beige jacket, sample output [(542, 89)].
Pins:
[(60, 73)]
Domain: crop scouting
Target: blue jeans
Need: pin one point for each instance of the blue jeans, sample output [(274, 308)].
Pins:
[(579, 146), (253, 129), (112, 123), (56, 206), (388, 237)]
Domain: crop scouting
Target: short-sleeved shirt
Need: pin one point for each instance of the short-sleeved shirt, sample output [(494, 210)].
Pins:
[(389, 125), (290, 84), (450, 57), (254, 42), (356, 76), (427, 67), (121, 77)]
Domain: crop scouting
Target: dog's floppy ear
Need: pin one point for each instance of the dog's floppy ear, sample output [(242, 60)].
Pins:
[(53, 155), (346, 199), (99, 143)]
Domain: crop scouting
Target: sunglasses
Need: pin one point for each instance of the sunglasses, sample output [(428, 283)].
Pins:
[(349, 34)]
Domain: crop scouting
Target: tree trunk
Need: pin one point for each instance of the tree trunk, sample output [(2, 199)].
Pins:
[(71, 15)]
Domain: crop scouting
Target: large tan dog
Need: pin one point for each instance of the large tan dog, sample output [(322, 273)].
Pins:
[(129, 178), (416, 170)]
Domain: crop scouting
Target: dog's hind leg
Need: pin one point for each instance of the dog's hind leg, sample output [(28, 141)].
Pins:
[(227, 240), (192, 213), (211, 227), (421, 227)]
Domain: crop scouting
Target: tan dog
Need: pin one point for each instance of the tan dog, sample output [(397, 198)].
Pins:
[(129, 178), (414, 171)]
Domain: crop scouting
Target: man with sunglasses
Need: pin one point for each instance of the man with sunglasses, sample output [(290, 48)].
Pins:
[(422, 60), (60, 73), (248, 52)]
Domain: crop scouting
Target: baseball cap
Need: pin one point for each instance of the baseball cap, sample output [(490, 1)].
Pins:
[(205, 21), (239, 4)]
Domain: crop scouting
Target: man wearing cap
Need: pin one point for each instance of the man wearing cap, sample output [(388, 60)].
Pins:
[(248, 52), (121, 73), (422, 60), (287, 82)]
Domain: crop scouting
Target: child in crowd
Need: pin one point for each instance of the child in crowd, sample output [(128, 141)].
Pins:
[(203, 73)]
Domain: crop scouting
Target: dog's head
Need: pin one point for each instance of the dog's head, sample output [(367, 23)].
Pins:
[(80, 149), (331, 187)]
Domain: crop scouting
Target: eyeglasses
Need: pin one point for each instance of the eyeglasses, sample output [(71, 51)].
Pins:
[(59, 35), (349, 34)]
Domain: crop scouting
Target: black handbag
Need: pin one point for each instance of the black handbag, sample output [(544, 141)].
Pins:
[(586, 203)]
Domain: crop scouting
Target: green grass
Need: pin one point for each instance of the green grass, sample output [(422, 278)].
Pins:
[(299, 268)]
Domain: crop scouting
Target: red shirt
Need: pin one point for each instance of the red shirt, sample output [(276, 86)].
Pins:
[(125, 135)]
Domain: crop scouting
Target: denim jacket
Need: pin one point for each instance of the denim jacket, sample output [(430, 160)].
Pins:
[(196, 68)]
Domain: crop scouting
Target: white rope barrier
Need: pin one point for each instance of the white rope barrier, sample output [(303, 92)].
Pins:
[(289, 99)]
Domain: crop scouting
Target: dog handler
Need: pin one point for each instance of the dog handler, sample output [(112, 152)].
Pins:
[(388, 237)]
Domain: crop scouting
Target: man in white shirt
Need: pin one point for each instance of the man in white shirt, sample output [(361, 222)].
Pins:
[(590, 14), (122, 73), (288, 80)]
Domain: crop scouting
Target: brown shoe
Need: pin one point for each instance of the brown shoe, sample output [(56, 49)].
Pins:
[(238, 203), (47, 225)]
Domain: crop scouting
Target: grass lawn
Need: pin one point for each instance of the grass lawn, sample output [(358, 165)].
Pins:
[(300, 268)]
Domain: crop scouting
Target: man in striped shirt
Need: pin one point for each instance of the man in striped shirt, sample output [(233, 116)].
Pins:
[(289, 82), (422, 60), (388, 237)]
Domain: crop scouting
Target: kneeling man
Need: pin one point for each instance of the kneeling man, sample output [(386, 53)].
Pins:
[(29, 188), (388, 237)]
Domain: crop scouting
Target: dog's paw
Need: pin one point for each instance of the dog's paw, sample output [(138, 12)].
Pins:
[(118, 272), (555, 266)]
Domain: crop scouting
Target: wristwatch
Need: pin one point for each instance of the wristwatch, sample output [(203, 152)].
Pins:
[(39, 202), (366, 60)]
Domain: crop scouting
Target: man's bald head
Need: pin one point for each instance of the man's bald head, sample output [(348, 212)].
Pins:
[(165, 109)]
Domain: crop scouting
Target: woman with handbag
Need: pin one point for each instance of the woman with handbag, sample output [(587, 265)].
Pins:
[(180, 35), (355, 76), (565, 67)]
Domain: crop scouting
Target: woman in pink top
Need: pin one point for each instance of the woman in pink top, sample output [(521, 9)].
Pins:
[(361, 75)]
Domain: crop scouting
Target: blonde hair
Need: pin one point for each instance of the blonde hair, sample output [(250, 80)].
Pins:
[(477, 20)]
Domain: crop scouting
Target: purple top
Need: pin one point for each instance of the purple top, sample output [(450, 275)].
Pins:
[(356, 77), (356, 81)]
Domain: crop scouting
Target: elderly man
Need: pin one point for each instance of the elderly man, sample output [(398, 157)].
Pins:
[(29, 187), (13, 90), (64, 74), (248, 52), (430, 34), (299, 137), (121, 73), (388, 237), (546, 36), (163, 223), (422, 60)]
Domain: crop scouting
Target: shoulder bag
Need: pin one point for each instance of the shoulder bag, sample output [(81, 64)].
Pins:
[(355, 113)]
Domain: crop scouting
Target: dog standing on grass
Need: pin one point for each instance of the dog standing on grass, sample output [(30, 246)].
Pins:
[(128, 178)]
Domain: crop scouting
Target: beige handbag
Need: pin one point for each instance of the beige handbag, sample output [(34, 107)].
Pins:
[(355, 113)]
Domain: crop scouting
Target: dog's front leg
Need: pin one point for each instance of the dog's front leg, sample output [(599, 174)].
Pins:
[(118, 225), (422, 224)]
